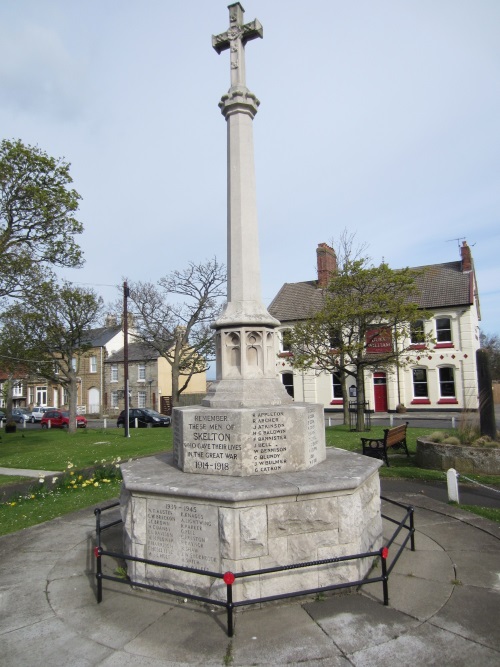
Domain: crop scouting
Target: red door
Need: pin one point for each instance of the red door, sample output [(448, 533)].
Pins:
[(380, 392)]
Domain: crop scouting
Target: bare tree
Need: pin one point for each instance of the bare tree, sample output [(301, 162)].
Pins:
[(179, 329)]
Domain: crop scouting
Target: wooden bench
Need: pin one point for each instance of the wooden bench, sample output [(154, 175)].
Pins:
[(393, 437)]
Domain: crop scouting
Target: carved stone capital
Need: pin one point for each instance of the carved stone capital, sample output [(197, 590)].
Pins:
[(239, 100)]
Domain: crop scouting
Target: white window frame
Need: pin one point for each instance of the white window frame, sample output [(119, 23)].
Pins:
[(420, 383), (441, 382), (441, 330), (142, 399), (114, 398), (41, 395), (93, 364), (113, 373), (141, 375)]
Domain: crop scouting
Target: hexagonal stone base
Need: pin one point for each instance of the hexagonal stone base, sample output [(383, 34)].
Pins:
[(240, 524)]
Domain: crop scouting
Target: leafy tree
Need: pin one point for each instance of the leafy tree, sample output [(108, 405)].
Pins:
[(491, 344), (54, 334), (179, 329), (364, 323), (37, 223)]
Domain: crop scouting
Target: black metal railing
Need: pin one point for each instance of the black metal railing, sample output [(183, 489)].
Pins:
[(229, 578), (354, 406)]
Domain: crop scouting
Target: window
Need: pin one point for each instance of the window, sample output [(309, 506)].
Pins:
[(443, 330), (141, 399), (141, 373), (336, 386), (287, 379), (114, 399), (93, 364), (417, 332), (420, 383), (285, 341), (31, 395), (41, 395), (113, 373), (446, 382), (17, 389)]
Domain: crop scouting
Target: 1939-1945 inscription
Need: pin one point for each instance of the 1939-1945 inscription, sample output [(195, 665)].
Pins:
[(183, 534)]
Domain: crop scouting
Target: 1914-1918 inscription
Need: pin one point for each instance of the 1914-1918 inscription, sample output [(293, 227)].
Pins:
[(247, 441), (183, 534)]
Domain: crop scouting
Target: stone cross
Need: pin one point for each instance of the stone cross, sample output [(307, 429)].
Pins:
[(235, 39)]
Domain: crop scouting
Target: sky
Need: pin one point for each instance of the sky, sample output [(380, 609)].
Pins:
[(381, 117)]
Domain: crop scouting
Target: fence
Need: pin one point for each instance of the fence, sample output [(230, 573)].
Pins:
[(229, 578)]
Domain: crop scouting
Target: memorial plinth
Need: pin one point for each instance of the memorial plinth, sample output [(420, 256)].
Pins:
[(239, 524), (250, 484)]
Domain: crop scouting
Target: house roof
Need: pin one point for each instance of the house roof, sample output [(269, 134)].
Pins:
[(99, 337), (136, 352), (440, 286)]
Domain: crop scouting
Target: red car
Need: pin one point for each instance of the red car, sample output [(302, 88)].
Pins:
[(60, 419)]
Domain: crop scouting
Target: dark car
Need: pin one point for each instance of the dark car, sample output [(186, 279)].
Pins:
[(60, 419), (145, 417)]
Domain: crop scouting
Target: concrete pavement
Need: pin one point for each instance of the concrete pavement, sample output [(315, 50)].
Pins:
[(444, 606)]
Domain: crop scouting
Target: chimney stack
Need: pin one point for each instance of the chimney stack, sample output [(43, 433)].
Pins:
[(466, 257), (327, 264)]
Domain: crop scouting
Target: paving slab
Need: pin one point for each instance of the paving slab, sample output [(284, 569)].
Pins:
[(426, 646), (444, 606), (474, 614)]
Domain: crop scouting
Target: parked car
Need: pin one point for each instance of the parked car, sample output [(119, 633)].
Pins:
[(2, 415), (145, 417), (21, 415), (60, 419), (37, 413)]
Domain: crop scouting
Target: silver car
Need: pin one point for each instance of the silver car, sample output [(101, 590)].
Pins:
[(37, 413)]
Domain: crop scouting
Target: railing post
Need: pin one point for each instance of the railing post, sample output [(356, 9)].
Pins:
[(229, 581), (412, 528), (97, 513), (98, 576), (384, 552)]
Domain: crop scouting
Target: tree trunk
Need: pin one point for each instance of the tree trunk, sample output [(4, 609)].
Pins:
[(9, 404), (345, 400), (72, 398), (487, 420), (360, 413)]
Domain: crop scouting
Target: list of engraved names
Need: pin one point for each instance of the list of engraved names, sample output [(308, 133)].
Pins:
[(270, 445), (183, 534)]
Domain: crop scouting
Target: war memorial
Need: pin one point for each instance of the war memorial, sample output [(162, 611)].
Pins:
[(250, 484)]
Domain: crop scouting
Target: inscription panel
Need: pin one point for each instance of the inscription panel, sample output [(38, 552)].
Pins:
[(211, 444), (270, 443), (248, 441), (183, 534)]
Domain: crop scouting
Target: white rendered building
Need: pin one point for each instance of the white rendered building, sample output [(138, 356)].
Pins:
[(440, 377)]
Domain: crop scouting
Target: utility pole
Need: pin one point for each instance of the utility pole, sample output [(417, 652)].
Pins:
[(126, 294)]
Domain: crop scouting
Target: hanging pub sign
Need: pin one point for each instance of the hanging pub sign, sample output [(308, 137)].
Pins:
[(378, 340)]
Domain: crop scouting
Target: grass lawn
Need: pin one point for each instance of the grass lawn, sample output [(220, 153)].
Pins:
[(52, 449)]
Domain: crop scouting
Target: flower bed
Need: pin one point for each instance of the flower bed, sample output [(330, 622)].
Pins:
[(442, 456)]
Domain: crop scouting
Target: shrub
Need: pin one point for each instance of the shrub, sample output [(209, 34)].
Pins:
[(451, 440), (437, 436)]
